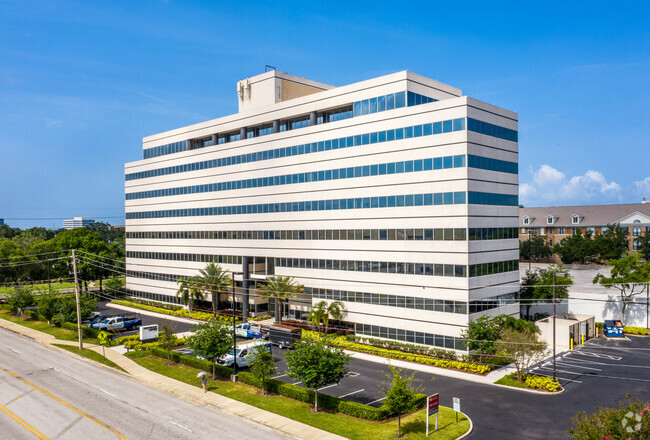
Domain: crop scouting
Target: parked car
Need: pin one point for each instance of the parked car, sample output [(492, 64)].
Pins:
[(248, 330), (243, 355), (118, 323), (284, 335)]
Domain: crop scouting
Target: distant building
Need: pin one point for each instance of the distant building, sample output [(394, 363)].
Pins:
[(2, 221), (77, 222), (558, 222)]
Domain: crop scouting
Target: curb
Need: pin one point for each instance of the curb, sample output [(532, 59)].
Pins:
[(470, 430)]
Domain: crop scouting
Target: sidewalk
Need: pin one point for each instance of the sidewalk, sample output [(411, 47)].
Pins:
[(195, 395)]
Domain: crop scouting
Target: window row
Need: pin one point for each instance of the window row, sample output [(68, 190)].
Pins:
[(492, 130), (485, 163), (154, 296), (481, 198), (380, 104), (314, 147), (493, 302), (449, 198), (173, 256), (161, 150), (492, 233), (440, 341), (322, 234), (417, 99), (337, 114), (409, 166), (407, 302), (494, 267)]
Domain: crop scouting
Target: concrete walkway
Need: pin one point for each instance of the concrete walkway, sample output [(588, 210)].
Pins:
[(192, 394)]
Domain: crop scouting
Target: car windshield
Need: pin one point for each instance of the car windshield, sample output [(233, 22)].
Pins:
[(105, 321)]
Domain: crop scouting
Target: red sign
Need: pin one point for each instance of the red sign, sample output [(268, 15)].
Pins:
[(432, 404)]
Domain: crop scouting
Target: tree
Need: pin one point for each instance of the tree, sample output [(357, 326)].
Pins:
[(643, 245), (114, 285), (214, 279), (401, 396), (262, 365), (168, 338), (12, 267), (631, 420), (19, 299), (67, 307), (537, 286), (281, 288), (211, 341), (317, 313), (335, 310), (612, 244), (523, 347), (482, 334), (317, 365), (629, 275), (577, 248), (47, 305), (189, 291), (535, 248)]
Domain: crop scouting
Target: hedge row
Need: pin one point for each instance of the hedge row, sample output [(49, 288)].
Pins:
[(159, 304), (294, 392), (542, 383), (396, 354), (142, 346), (635, 330), (86, 331), (184, 313)]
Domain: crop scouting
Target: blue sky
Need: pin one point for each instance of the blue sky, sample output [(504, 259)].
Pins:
[(81, 83)]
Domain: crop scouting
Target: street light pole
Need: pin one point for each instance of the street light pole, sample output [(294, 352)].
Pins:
[(234, 330), (554, 376), (530, 252)]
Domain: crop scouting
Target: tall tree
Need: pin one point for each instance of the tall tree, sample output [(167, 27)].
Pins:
[(537, 286), (262, 365), (190, 291), (47, 305), (215, 280), (281, 288), (535, 248), (211, 341), (643, 245), (317, 365), (612, 244), (335, 311), (168, 339), (523, 347), (401, 396), (12, 258), (577, 248), (316, 314), (629, 275)]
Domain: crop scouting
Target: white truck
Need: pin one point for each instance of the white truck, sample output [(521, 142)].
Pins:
[(250, 331), (244, 354), (117, 323)]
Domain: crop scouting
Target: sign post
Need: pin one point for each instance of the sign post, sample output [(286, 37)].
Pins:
[(457, 407), (432, 408)]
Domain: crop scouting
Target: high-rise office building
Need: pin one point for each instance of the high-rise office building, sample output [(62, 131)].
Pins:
[(395, 195), (77, 222)]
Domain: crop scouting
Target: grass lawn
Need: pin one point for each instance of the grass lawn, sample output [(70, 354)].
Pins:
[(413, 425), (90, 355), (57, 332), (41, 286), (511, 381)]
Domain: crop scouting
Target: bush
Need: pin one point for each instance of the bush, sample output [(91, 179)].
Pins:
[(194, 362), (158, 304), (86, 331), (635, 330), (542, 383), (260, 318), (600, 325), (200, 316), (19, 299), (342, 342), (631, 420)]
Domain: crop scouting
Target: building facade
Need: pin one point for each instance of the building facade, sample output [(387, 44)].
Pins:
[(396, 195), (77, 222), (558, 222)]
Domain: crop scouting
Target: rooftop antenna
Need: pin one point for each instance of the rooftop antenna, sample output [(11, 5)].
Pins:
[(267, 68)]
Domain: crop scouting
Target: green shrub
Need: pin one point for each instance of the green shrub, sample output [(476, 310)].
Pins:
[(542, 383), (86, 331), (635, 330), (343, 342), (600, 325), (194, 362), (260, 318), (630, 421), (158, 304)]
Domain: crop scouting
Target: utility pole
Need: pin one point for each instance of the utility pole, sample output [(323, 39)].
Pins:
[(554, 377), (76, 293), (49, 281)]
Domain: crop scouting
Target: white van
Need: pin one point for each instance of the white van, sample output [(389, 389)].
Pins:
[(244, 354)]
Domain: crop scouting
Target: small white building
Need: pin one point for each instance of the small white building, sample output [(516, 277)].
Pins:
[(567, 326)]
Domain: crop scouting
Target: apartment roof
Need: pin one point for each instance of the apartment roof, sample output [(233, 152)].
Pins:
[(590, 215)]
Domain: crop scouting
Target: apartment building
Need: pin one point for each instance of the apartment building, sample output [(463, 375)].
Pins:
[(558, 222), (396, 195)]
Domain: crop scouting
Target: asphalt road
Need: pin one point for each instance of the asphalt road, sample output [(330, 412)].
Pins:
[(600, 373), (180, 327), (50, 395)]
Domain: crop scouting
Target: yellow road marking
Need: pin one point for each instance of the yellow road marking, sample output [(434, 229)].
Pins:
[(26, 425), (66, 404)]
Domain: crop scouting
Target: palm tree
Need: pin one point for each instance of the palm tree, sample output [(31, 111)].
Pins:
[(214, 279), (335, 310), (189, 290), (280, 288), (317, 313)]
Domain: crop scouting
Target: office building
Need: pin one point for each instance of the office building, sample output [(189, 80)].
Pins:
[(396, 195), (558, 222), (77, 222)]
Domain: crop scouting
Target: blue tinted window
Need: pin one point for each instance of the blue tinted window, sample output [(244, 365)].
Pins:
[(390, 135), (428, 164), (459, 161), (426, 129), (437, 163), (400, 99), (364, 107), (408, 132), (459, 124), (373, 105), (411, 99), (437, 127), (447, 162), (417, 131), (373, 138), (381, 104), (382, 136), (437, 199), (390, 102), (399, 133), (448, 198), (446, 126)]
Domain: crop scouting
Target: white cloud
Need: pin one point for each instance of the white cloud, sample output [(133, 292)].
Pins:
[(643, 187), (550, 185)]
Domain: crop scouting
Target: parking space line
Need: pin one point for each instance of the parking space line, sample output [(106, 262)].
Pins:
[(296, 383), (329, 386), (597, 355), (562, 371), (560, 378), (353, 392), (375, 401), (281, 375), (577, 365)]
